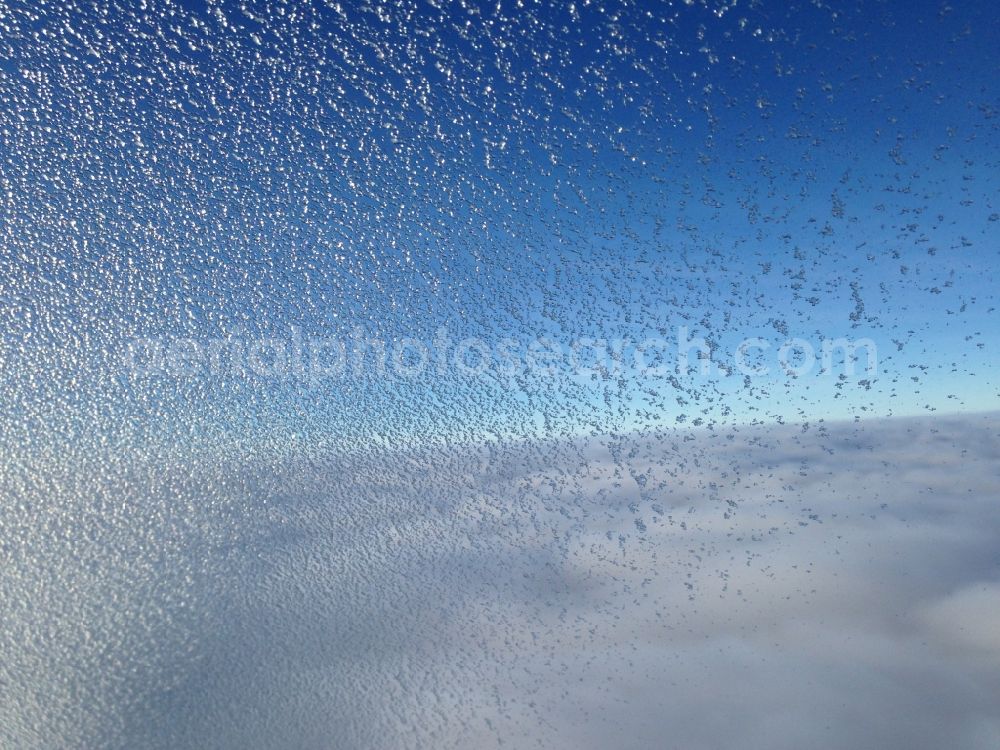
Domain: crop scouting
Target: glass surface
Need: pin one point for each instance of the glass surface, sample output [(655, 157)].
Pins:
[(430, 374)]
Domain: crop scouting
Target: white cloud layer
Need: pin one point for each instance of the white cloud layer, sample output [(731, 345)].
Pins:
[(833, 587)]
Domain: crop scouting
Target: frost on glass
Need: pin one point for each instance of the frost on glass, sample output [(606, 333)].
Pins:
[(452, 374)]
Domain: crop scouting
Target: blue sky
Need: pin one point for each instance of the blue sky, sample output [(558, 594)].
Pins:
[(742, 171)]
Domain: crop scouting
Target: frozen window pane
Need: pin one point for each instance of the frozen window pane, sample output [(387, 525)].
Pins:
[(432, 374)]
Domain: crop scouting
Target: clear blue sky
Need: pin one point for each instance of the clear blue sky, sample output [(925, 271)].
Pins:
[(609, 170)]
